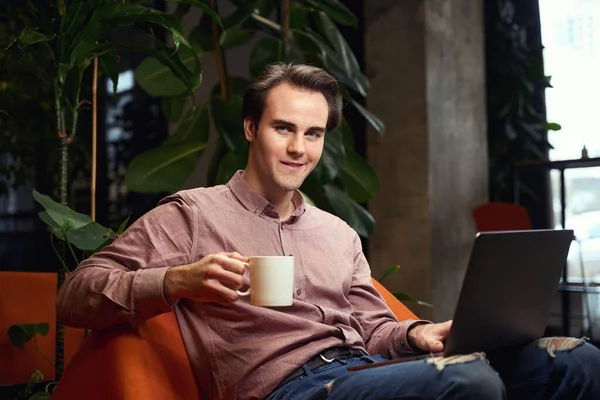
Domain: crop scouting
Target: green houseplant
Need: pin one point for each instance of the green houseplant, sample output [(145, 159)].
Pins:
[(66, 37), (290, 31), (517, 124)]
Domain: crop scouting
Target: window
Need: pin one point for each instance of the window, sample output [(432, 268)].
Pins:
[(571, 38)]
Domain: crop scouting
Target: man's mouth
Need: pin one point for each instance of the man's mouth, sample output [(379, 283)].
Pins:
[(294, 166)]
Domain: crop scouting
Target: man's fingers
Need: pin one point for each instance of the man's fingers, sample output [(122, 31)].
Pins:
[(231, 264), (435, 346), (229, 279), (223, 294), (237, 256)]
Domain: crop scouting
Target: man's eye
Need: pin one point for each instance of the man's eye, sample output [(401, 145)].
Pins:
[(283, 128), (313, 134)]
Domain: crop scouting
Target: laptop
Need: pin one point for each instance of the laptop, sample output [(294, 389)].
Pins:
[(507, 290)]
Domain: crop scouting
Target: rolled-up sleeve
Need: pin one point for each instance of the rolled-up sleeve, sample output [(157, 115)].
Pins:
[(382, 332), (123, 283)]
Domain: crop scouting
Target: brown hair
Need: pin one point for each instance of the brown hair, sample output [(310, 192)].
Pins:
[(298, 75)]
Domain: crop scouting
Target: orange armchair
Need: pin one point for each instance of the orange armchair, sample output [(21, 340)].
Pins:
[(148, 362)]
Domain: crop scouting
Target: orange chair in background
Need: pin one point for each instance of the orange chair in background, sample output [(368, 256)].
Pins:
[(498, 216)]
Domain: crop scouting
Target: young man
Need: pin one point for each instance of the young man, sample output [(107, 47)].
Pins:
[(192, 250)]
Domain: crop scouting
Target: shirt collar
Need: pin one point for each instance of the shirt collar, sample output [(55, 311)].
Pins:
[(257, 204)]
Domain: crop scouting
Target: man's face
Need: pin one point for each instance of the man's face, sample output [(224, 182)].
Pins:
[(289, 140)]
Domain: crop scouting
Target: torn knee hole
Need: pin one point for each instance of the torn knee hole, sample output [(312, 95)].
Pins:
[(553, 344), (329, 387), (441, 362)]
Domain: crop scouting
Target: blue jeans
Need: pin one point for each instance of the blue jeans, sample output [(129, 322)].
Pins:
[(530, 372)]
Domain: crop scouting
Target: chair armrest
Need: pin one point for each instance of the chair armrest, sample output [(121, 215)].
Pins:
[(125, 363), (400, 310)]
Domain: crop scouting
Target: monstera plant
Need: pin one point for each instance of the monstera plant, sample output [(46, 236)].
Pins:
[(298, 31)]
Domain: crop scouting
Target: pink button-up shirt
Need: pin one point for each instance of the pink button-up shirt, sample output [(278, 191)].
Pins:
[(239, 350)]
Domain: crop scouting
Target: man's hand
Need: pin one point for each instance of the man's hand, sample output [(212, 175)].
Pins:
[(215, 278), (429, 337)]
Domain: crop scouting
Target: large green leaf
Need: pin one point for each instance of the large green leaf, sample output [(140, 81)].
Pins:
[(74, 47), (54, 227), (212, 173), (129, 15), (158, 79), (200, 37), (163, 55), (193, 130), (229, 165), (109, 64), (236, 86), (241, 14), (62, 216), (331, 159), (29, 36), (203, 5), (227, 117), (299, 17), (359, 178), (167, 167), (266, 51), (22, 333), (235, 37), (85, 237), (310, 47), (369, 116), (163, 169), (336, 11), (75, 17), (349, 210), (172, 107), (340, 59), (89, 237)]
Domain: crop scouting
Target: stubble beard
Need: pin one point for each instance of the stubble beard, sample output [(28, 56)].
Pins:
[(288, 182)]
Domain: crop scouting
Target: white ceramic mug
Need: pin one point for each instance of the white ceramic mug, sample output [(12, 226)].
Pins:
[(271, 281)]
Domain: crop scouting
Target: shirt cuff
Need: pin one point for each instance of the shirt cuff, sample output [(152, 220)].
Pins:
[(415, 323), (402, 342), (148, 294)]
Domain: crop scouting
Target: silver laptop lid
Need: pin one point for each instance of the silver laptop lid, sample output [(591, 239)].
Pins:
[(508, 289)]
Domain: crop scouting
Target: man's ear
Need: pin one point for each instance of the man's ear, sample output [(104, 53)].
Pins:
[(249, 129)]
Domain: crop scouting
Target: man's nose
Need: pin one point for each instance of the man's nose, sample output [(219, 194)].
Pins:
[(296, 145)]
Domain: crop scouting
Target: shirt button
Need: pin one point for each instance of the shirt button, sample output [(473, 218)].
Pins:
[(298, 292)]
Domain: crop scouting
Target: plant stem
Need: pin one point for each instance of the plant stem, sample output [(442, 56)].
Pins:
[(266, 21), (219, 54), (63, 147), (62, 261), (40, 350), (72, 251), (94, 139)]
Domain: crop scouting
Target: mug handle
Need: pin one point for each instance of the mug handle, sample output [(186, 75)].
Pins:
[(242, 294)]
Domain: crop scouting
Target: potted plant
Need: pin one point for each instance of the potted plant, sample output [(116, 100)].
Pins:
[(68, 37)]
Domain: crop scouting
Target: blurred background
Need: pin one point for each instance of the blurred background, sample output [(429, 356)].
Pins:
[(450, 105)]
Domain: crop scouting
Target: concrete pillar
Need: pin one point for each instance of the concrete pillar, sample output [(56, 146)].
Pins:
[(425, 60)]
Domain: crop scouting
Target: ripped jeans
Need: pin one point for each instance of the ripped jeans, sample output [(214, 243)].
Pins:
[(555, 368)]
